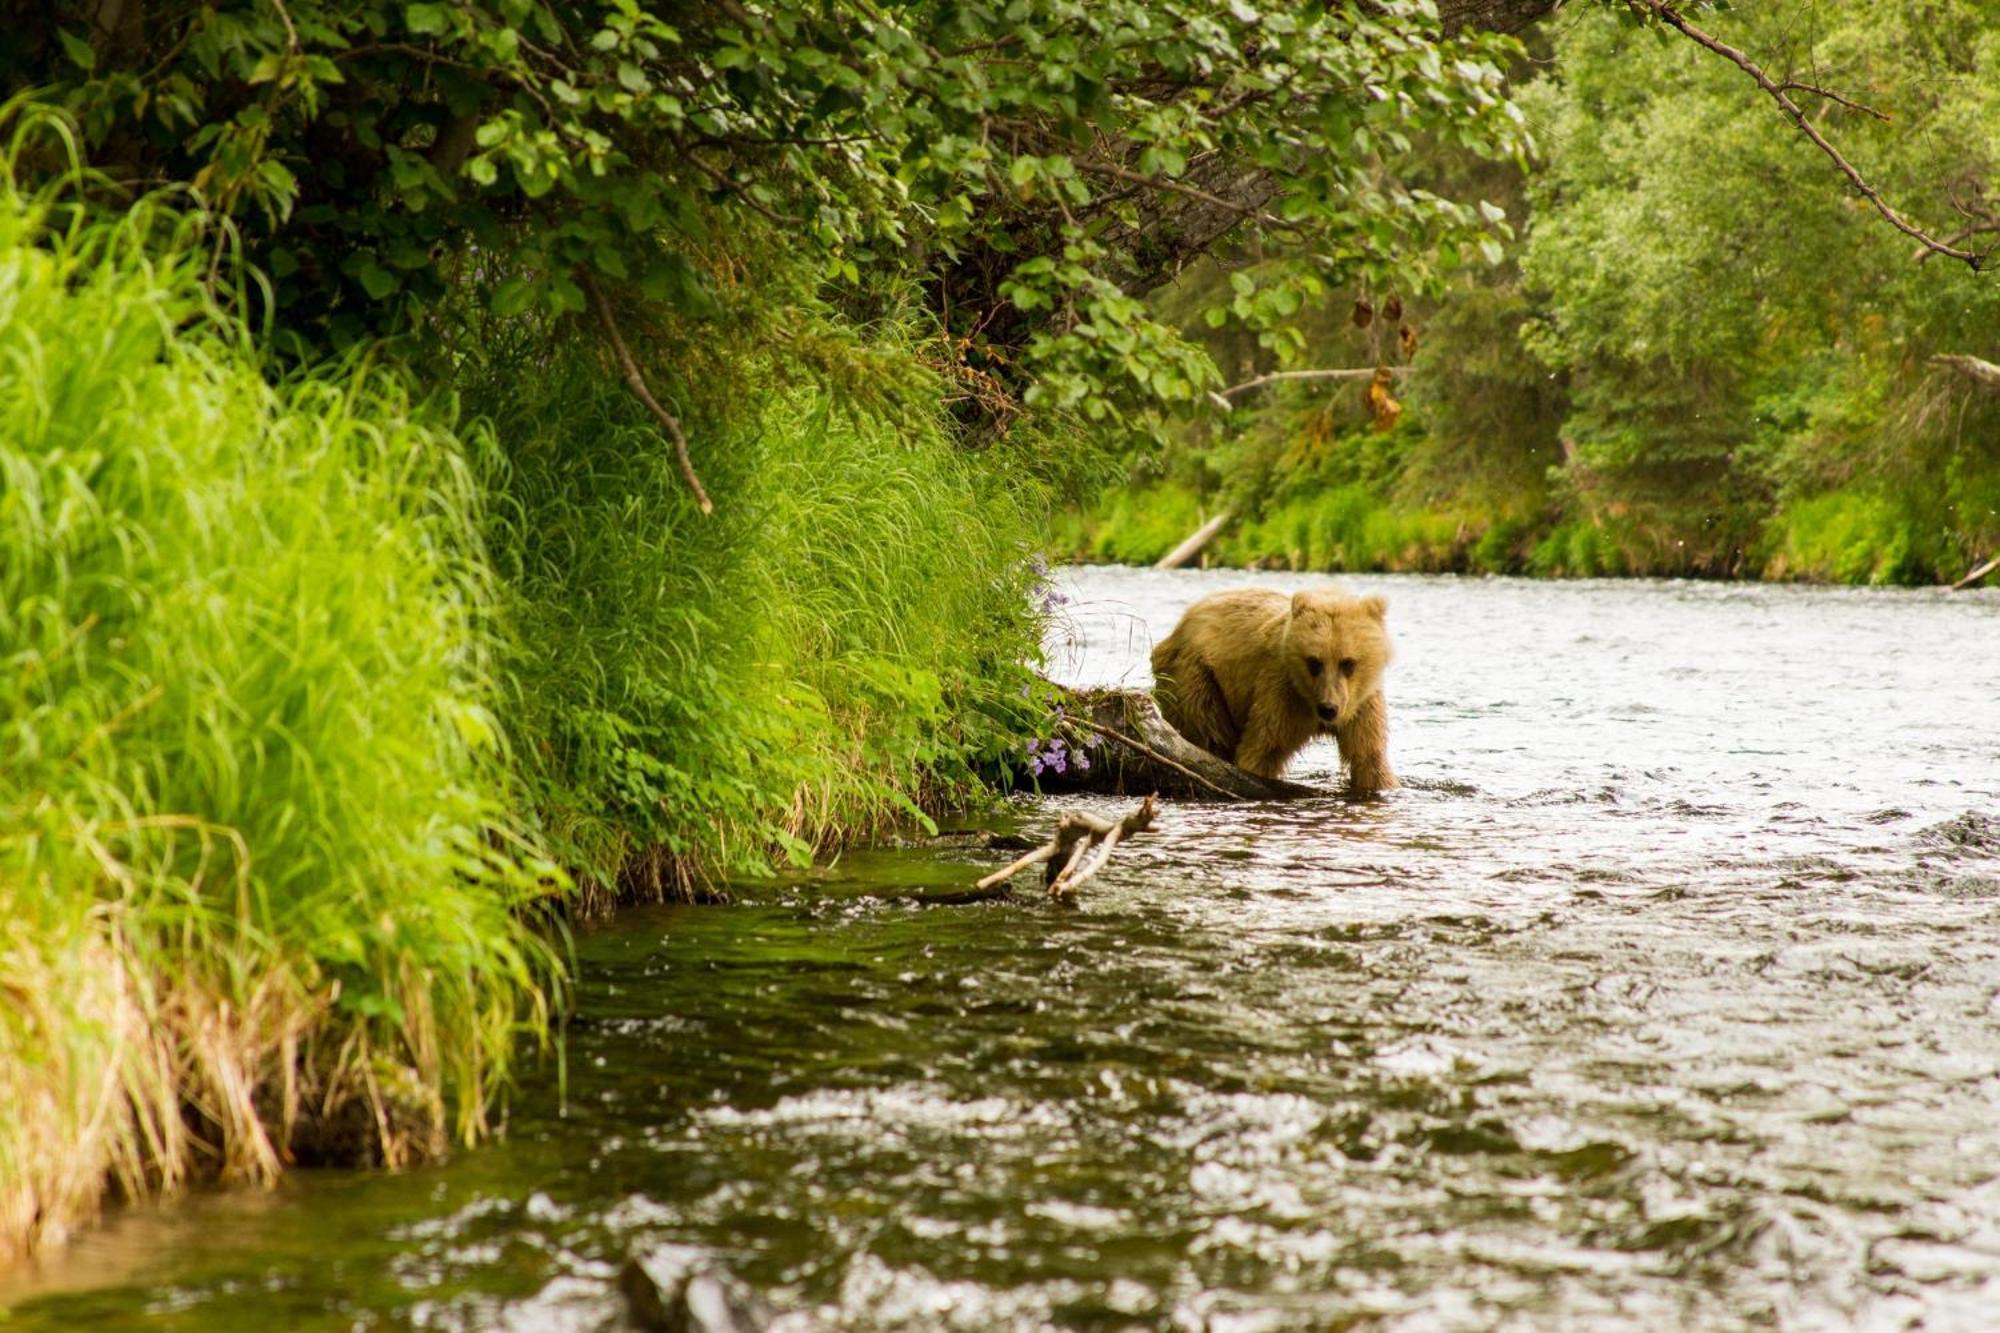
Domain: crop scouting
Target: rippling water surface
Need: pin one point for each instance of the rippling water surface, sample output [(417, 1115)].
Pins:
[(1667, 993)]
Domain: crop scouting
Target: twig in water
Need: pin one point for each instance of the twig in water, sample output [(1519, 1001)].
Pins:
[(1084, 844)]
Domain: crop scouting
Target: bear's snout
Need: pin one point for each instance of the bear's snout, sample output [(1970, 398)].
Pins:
[(1328, 712)]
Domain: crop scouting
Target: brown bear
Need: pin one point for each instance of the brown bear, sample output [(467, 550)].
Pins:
[(1252, 675)]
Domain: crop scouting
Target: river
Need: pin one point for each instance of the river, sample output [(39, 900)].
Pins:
[(1667, 993)]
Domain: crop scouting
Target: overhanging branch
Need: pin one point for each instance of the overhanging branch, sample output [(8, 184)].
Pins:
[(1672, 17)]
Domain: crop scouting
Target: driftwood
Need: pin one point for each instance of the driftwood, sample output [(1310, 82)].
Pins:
[(1197, 541), (1082, 846), (1139, 751), (1977, 574), (1981, 372)]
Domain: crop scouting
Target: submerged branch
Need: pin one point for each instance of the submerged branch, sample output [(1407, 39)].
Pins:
[(1082, 842)]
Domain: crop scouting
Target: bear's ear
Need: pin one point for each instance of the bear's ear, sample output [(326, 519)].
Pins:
[(1375, 605), (1302, 601)]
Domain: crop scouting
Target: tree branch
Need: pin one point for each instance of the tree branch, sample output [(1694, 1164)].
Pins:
[(1670, 16), (1792, 85), (1981, 372), (636, 382), (1280, 376)]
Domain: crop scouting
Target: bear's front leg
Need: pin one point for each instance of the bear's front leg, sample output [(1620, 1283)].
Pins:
[(1265, 748), (1364, 748)]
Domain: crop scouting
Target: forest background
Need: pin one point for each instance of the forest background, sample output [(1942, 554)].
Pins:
[(1684, 368)]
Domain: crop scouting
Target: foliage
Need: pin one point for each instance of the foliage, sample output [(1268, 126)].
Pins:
[(257, 870), (1039, 164), (844, 643), (1735, 351), (1706, 362)]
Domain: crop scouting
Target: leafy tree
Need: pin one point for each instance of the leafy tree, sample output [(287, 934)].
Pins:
[(1035, 165)]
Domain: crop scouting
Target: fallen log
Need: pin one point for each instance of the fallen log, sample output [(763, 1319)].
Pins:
[(1196, 542), (1977, 574), (1136, 750)]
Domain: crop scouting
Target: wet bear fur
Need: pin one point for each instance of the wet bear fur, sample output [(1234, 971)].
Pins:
[(1252, 675)]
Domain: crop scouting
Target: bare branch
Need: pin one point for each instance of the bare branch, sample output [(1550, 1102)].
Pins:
[(1672, 17), (1977, 574), (636, 382), (1223, 396), (1793, 86), (1981, 372), (1189, 191), (1113, 735)]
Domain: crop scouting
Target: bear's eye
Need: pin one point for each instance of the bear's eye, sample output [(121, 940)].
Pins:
[(1346, 666), (1314, 665)]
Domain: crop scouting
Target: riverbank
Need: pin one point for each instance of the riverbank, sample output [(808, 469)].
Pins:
[(327, 698), (1842, 537)]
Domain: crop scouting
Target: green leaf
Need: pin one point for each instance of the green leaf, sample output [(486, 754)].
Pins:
[(78, 51), (377, 281), (426, 20), (511, 297)]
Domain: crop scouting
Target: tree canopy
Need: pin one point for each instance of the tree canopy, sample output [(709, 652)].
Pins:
[(1034, 165)]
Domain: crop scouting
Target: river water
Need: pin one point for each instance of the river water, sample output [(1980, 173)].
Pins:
[(1667, 993)]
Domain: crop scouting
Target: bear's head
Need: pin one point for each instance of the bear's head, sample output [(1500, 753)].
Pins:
[(1336, 648)]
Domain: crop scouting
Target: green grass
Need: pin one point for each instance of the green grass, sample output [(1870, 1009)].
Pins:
[(840, 645), (1337, 527), (1848, 537), (258, 877), (309, 702)]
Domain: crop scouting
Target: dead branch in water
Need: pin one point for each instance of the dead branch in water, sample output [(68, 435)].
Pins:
[(1082, 846), (1142, 753), (1200, 538), (1158, 758)]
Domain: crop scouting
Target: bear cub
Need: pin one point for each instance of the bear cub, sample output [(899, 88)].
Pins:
[(1252, 675)]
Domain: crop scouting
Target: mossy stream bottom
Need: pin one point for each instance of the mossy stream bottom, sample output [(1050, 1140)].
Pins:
[(1664, 995)]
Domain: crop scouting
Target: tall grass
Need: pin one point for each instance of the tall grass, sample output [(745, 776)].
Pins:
[(842, 644), (258, 882)]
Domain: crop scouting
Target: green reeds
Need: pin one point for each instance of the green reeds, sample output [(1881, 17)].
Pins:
[(841, 644), (258, 882)]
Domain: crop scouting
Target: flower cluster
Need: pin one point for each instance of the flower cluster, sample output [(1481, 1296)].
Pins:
[(1056, 756), (1047, 596)]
